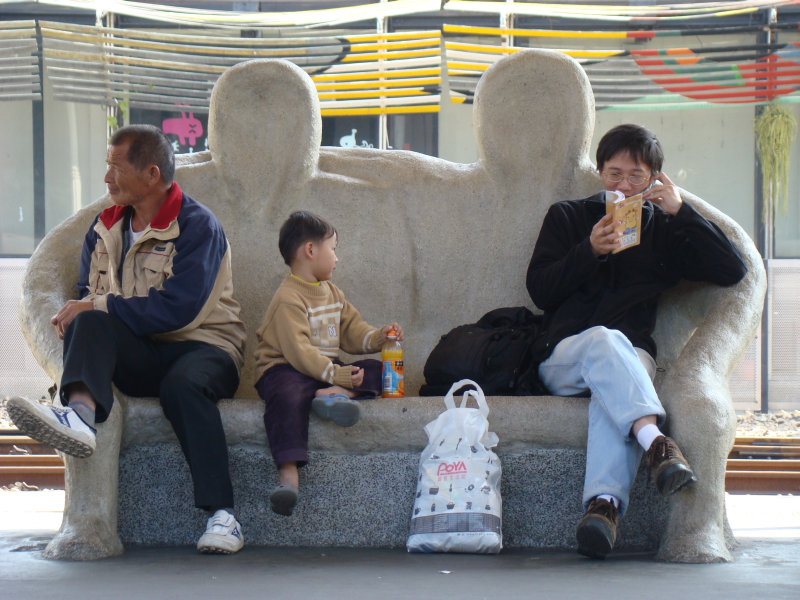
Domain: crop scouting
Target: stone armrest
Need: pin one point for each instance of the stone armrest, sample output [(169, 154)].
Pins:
[(703, 330), (49, 283)]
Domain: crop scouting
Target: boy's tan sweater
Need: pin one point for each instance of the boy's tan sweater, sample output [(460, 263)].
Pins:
[(305, 326)]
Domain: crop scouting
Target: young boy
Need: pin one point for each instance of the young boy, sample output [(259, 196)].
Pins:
[(297, 366)]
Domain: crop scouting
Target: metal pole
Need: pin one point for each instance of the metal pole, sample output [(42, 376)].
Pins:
[(383, 130), (38, 153), (106, 19), (764, 230)]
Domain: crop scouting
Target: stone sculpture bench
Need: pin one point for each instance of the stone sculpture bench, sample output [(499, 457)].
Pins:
[(428, 243)]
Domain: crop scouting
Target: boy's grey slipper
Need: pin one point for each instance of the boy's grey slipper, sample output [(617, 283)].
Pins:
[(283, 498), (337, 408)]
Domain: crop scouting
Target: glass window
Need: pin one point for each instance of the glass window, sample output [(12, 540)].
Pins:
[(417, 132), (351, 131), (16, 179), (74, 156)]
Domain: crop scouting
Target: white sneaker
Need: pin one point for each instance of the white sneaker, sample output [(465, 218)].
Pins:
[(223, 535), (56, 426)]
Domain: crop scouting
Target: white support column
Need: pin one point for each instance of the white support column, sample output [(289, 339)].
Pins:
[(507, 22), (106, 19)]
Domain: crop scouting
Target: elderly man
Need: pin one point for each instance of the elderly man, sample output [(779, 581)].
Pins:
[(600, 312), (155, 317)]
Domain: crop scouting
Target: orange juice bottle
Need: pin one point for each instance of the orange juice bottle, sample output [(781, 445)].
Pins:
[(392, 356)]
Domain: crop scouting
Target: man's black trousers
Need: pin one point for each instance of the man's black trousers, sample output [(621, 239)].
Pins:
[(188, 378)]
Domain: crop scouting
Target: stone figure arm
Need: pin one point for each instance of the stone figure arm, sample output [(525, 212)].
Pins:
[(562, 258), (701, 251), (89, 527), (49, 284), (701, 332)]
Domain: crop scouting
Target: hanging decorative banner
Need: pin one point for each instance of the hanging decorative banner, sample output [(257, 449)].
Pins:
[(633, 55), (19, 65), (712, 73), (355, 74)]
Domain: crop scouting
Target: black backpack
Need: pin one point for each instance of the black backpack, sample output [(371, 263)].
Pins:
[(497, 352)]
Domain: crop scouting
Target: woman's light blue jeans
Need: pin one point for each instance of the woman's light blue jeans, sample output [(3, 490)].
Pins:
[(619, 378)]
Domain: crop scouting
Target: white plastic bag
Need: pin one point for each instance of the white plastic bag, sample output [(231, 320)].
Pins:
[(458, 507)]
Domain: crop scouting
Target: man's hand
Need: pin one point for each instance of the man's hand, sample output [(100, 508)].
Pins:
[(69, 311), (603, 237), (665, 194), (357, 377)]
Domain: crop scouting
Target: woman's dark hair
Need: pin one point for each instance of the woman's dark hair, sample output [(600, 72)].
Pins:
[(301, 227), (640, 143), (148, 146)]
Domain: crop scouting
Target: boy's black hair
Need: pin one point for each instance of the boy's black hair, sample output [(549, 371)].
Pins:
[(148, 146), (301, 227), (640, 143)]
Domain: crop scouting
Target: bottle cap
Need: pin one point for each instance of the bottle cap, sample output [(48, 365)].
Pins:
[(392, 333)]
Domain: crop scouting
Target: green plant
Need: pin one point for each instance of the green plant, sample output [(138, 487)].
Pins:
[(125, 109), (776, 130), (123, 106)]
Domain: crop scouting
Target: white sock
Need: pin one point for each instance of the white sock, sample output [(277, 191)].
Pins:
[(613, 499), (647, 434)]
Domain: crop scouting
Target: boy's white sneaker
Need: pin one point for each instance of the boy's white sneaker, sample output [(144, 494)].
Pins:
[(223, 535), (56, 426)]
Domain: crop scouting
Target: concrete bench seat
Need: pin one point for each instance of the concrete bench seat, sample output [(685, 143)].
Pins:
[(358, 489), (430, 244)]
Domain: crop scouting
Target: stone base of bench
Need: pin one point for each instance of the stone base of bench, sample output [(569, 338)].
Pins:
[(365, 500)]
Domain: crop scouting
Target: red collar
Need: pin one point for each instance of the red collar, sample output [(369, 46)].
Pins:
[(166, 214)]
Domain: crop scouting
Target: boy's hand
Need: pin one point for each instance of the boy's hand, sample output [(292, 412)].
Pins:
[(357, 377), (386, 328)]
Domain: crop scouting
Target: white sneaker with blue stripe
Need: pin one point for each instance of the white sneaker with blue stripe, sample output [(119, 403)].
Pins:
[(56, 426), (223, 535)]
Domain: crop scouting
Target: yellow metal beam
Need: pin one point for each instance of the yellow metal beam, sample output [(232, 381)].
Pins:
[(388, 110), (371, 85)]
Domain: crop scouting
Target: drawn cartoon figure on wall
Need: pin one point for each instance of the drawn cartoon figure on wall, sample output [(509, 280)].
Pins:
[(349, 141), (188, 129)]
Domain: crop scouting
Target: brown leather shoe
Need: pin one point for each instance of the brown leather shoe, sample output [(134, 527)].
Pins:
[(668, 467), (597, 530)]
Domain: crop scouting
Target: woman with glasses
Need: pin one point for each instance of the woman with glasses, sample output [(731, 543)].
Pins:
[(600, 312)]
